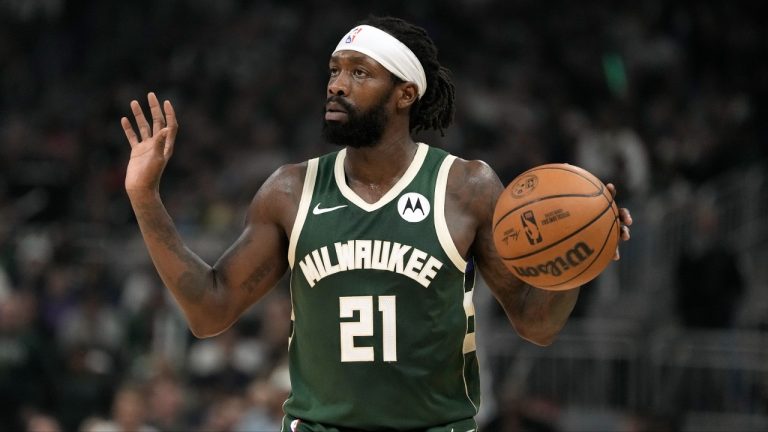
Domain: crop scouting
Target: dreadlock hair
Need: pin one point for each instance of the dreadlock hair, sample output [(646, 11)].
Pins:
[(435, 109)]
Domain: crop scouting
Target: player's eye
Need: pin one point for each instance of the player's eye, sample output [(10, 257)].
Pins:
[(360, 73), (333, 71)]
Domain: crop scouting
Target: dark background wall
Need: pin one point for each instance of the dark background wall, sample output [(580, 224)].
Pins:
[(665, 99)]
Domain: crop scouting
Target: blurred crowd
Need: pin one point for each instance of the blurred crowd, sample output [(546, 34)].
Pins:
[(650, 96)]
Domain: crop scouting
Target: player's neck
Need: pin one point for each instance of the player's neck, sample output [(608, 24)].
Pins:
[(379, 167)]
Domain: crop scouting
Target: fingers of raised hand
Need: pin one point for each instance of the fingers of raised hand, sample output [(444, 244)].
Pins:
[(170, 117), (612, 189), (129, 133), (158, 120), (162, 135), (141, 121), (172, 126)]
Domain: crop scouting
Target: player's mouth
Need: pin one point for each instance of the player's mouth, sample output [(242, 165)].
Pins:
[(334, 111)]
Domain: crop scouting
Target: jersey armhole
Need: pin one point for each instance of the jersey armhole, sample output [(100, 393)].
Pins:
[(301, 214), (441, 226)]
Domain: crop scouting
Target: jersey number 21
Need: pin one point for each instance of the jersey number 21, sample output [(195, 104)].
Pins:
[(364, 327)]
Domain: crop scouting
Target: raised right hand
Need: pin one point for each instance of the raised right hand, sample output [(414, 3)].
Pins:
[(149, 155)]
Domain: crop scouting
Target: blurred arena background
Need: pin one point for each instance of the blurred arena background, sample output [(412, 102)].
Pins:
[(665, 99)]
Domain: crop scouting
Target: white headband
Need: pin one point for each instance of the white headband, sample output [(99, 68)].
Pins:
[(388, 51)]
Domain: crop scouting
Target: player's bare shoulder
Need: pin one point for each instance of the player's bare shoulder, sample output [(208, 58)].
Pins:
[(473, 185), (471, 193), (277, 200)]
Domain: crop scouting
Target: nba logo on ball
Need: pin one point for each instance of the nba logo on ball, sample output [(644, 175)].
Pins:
[(413, 207), (531, 228), (570, 221)]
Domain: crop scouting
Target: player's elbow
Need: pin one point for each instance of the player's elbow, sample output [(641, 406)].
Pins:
[(203, 331), (538, 336), (205, 327), (200, 332), (539, 339)]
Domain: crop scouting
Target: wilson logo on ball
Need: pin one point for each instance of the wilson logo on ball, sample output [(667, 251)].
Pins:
[(572, 258), (531, 227)]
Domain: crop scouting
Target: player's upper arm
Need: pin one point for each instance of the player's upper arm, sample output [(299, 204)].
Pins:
[(258, 259), (481, 192)]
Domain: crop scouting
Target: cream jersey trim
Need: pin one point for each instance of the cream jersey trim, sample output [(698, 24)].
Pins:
[(441, 226), (301, 214), (405, 180)]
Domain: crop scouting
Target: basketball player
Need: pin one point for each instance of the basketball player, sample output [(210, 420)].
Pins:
[(381, 240)]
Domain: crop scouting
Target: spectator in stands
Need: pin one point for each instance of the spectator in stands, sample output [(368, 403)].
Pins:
[(26, 366), (40, 422), (614, 152), (129, 411), (166, 404), (709, 281)]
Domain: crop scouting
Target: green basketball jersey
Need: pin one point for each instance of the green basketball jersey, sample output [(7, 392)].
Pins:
[(383, 321)]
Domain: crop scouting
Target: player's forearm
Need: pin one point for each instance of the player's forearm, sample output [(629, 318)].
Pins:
[(538, 315), (192, 282), (544, 313)]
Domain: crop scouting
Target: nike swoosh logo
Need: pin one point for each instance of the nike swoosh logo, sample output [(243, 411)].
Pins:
[(318, 211)]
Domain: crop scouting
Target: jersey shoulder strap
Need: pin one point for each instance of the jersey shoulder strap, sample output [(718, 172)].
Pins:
[(301, 214)]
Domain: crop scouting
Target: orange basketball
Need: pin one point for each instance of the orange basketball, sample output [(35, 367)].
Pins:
[(556, 226)]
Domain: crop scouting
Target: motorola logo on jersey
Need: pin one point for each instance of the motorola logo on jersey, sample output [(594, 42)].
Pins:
[(413, 207)]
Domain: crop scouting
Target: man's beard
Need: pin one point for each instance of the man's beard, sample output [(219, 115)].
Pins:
[(362, 129)]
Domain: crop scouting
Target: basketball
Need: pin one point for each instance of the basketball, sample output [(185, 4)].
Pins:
[(556, 226)]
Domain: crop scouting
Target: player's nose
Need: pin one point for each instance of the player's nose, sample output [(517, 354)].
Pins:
[(338, 85)]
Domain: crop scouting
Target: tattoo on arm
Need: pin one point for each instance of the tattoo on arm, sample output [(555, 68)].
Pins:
[(194, 280), (158, 222), (189, 286), (258, 274)]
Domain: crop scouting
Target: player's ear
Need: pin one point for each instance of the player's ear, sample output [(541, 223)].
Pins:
[(408, 95)]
